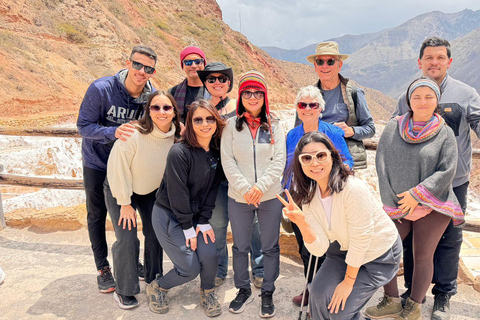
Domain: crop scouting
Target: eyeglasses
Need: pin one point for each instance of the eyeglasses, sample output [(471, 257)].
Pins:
[(330, 62), (188, 63), (212, 79), (256, 94), (199, 120), (312, 105), (138, 66), (307, 159), (166, 108)]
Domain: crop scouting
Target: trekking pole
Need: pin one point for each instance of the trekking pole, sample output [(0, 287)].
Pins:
[(307, 315), (305, 287)]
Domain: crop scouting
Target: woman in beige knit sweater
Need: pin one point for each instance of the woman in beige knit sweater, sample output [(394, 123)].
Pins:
[(134, 173)]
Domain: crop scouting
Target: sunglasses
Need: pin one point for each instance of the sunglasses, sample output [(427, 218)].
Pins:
[(199, 120), (312, 105), (166, 108), (138, 66), (212, 79), (307, 159), (256, 94), (321, 62), (188, 63)]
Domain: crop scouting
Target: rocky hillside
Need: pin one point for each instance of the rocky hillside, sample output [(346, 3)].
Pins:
[(51, 50)]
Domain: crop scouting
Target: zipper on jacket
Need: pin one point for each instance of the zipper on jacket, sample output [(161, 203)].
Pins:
[(254, 154)]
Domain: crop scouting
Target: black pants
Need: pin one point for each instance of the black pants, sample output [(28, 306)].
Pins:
[(305, 255), (446, 255)]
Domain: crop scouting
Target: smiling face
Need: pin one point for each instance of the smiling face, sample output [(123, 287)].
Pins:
[(162, 119), (191, 71), (308, 115), (328, 74), (423, 103), (204, 131), (217, 89), (435, 63), (252, 104), (139, 77), (318, 171)]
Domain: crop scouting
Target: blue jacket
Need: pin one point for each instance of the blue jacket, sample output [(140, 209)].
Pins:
[(334, 133), (106, 105)]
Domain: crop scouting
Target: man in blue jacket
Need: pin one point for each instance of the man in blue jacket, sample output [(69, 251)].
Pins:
[(110, 103)]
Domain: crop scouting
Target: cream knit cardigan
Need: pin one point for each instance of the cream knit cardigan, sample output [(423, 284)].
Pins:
[(358, 223), (137, 165)]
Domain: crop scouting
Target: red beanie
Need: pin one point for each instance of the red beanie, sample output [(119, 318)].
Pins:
[(256, 80), (189, 50)]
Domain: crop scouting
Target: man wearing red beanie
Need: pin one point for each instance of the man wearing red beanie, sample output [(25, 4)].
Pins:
[(191, 89)]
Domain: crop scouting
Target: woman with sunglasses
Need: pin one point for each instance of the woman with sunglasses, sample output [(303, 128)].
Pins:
[(134, 172), (416, 163), (310, 104), (218, 80), (338, 216), (253, 158), (183, 208)]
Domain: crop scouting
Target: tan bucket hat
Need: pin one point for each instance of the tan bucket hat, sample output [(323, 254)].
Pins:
[(328, 48)]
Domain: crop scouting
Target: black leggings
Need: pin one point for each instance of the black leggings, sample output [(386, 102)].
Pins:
[(427, 232)]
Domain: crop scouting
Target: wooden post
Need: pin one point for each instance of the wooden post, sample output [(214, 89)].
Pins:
[(2, 217)]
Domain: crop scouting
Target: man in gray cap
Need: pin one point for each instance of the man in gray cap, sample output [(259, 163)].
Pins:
[(345, 104)]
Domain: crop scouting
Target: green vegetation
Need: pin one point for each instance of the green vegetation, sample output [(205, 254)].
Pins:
[(162, 25), (72, 33)]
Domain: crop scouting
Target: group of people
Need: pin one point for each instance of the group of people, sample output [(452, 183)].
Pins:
[(191, 159)]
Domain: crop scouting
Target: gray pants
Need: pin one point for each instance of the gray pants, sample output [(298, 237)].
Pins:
[(187, 264), (371, 276), (241, 217)]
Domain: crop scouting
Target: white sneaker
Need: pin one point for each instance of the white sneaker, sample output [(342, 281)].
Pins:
[(2, 276)]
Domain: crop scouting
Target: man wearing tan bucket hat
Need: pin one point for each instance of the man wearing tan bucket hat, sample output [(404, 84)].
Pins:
[(345, 104)]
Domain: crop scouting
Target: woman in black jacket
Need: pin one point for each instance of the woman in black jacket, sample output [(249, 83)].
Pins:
[(183, 208)]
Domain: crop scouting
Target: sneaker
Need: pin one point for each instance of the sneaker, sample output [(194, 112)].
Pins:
[(219, 281), (257, 282), (157, 298), (406, 295), (105, 280), (210, 303), (387, 308), (2, 276), (298, 299), (441, 307), (411, 311), (125, 302), (268, 309), (244, 297), (141, 271)]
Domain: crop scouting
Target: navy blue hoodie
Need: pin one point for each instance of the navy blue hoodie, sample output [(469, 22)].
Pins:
[(106, 105)]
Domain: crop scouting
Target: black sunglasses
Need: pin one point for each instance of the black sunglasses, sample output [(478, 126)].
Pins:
[(330, 62), (198, 121), (256, 94), (212, 79), (188, 63), (138, 66), (312, 105), (165, 108)]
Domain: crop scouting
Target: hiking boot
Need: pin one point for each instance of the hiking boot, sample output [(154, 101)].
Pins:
[(441, 307), (298, 299), (141, 271), (105, 280), (411, 311), (219, 281), (406, 295), (268, 309), (157, 298), (387, 308), (210, 302), (257, 282), (125, 302), (244, 297)]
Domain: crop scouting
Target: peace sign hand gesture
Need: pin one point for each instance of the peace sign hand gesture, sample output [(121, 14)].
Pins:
[(291, 210)]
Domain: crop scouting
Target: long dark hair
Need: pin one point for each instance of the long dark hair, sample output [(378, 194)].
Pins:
[(241, 119), (303, 188), (189, 137), (146, 123)]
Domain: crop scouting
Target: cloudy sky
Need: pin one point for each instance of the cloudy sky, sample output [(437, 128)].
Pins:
[(293, 24)]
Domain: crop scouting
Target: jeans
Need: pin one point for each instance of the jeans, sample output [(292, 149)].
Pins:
[(187, 264), (219, 223), (125, 250)]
